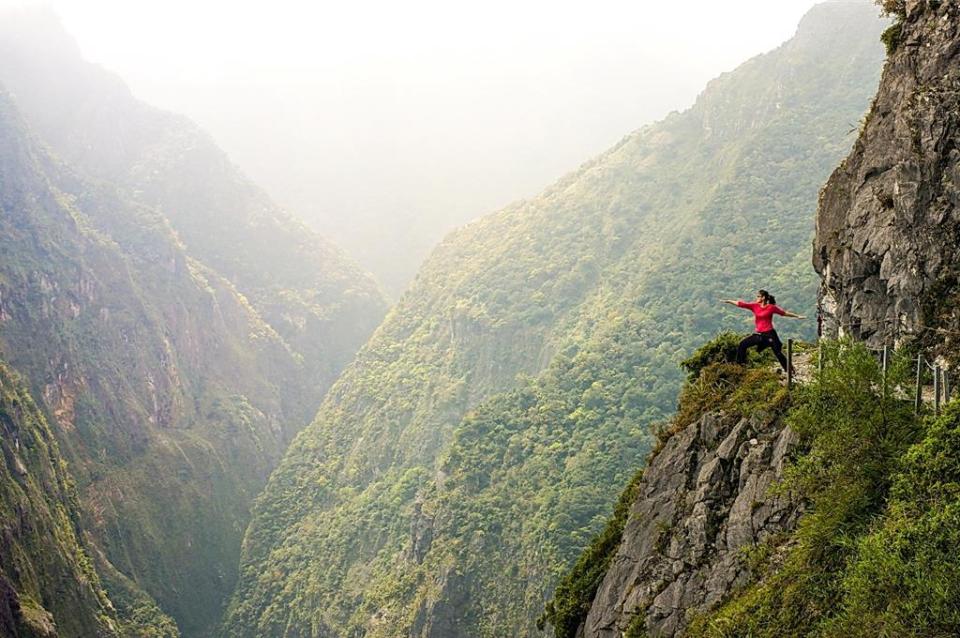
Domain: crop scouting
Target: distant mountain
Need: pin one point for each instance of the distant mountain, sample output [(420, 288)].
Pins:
[(305, 288), (170, 398), (463, 461), (174, 327)]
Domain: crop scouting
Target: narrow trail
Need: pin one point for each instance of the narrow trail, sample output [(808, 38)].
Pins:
[(804, 367)]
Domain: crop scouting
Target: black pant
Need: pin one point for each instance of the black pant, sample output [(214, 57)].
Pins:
[(762, 340)]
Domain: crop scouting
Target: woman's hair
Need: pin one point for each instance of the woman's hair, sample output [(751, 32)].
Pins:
[(767, 296)]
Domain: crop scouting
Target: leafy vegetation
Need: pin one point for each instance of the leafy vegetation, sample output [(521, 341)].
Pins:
[(871, 556), (720, 349), (892, 36), (904, 576), (431, 435)]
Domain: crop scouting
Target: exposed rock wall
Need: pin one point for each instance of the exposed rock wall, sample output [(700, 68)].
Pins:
[(704, 499), (888, 226)]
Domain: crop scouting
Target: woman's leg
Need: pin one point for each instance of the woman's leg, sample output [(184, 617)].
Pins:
[(752, 340), (777, 346)]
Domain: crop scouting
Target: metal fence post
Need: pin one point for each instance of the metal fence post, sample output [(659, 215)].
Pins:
[(919, 395), (946, 386), (883, 367), (789, 363), (936, 390)]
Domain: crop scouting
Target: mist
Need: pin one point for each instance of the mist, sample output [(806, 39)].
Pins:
[(384, 126)]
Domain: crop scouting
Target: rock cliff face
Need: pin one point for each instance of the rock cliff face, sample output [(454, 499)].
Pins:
[(888, 227), (704, 499)]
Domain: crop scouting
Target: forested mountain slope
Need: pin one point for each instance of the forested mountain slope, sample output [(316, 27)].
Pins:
[(175, 326), (169, 396), (305, 288), (436, 494)]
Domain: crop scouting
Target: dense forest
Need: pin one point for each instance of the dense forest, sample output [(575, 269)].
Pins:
[(474, 446)]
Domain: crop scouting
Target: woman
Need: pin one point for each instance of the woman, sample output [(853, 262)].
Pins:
[(765, 337)]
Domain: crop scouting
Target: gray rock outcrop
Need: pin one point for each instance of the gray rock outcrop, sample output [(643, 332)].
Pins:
[(704, 500), (888, 225)]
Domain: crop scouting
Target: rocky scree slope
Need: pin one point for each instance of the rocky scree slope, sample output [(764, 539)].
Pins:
[(436, 494), (888, 226), (166, 392)]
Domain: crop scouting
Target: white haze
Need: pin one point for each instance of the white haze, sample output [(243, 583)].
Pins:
[(384, 124)]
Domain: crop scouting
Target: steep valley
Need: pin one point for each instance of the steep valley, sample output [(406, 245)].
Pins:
[(211, 425), (470, 452)]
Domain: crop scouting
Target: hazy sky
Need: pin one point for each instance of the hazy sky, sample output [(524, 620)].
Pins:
[(184, 41), (424, 111)]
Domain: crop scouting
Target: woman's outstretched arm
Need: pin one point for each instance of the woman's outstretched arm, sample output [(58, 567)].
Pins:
[(787, 313), (732, 302)]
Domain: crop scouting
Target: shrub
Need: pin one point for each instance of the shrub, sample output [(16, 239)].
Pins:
[(904, 579), (734, 389), (894, 7), (893, 35), (721, 349)]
